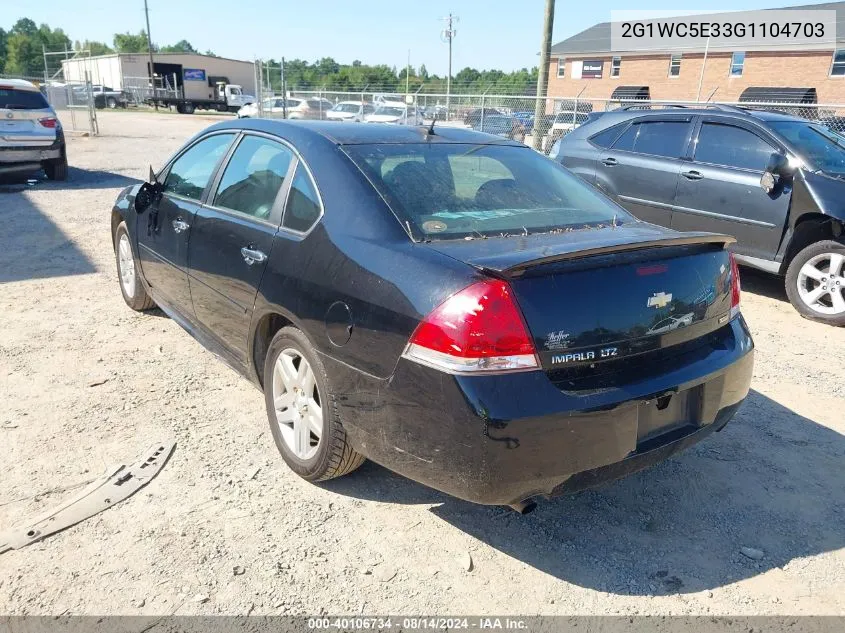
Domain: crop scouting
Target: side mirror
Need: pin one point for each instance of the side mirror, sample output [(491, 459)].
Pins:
[(779, 165), (148, 193)]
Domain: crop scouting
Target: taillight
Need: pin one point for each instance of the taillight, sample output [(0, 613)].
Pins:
[(478, 329), (735, 289), (49, 121)]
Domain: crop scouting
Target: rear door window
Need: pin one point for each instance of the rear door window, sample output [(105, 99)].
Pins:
[(190, 173), (655, 138), (253, 177), (303, 207), (731, 146), (605, 138)]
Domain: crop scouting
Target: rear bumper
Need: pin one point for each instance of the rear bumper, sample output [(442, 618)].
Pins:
[(502, 439), (31, 153)]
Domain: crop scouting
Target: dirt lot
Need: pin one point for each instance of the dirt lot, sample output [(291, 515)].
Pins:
[(86, 383)]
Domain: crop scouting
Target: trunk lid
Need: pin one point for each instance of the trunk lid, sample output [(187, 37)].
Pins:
[(602, 295)]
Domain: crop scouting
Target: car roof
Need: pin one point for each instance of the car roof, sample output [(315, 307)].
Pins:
[(20, 84), (341, 133)]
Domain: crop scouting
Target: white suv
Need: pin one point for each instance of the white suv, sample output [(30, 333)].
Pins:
[(31, 135)]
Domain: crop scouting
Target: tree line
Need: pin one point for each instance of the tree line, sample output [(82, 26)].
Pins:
[(21, 53), (22, 47), (328, 74)]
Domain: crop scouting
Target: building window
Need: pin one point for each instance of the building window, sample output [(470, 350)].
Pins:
[(838, 68), (615, 66), (675, 65), (561, 68), (737, 64)]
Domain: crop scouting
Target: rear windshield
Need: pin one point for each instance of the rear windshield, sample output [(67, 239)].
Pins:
[(14, 99), (454, 191)]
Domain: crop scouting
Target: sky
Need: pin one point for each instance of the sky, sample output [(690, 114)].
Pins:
[(501, 34)]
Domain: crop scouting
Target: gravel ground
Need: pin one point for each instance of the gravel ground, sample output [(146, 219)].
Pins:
[(86, 383)]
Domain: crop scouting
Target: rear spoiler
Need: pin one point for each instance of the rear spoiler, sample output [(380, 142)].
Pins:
[(687, 239)]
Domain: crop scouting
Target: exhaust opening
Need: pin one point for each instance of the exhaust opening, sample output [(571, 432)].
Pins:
[(524, 507)]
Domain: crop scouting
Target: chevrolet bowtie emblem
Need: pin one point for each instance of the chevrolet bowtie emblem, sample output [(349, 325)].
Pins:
[(659, 300)]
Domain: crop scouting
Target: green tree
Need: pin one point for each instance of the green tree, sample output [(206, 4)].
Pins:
[(182, 46), (25, 44), (132, 42), (211, 53), (95, 48), (4, 36)]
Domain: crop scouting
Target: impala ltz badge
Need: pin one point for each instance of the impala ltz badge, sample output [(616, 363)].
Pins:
[(659, 300)]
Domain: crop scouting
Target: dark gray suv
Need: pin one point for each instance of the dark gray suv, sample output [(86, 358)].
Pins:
[(775, 182)]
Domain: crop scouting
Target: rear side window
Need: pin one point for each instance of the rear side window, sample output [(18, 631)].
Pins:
[(605, 138), (253, 177), (14, 99), (190, 173), (732, 147), (656, 138), (471, 173), (303, 206)]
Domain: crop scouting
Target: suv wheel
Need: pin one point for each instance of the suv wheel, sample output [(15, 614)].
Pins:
[(56, 168), (111, 102), (815, 282), (302, 412)]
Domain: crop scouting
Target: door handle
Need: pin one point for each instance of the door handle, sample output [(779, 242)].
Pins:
[(251, 256), (180, 225), (610, 162), (692, 175)]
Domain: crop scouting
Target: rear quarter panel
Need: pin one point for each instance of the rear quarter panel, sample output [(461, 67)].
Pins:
[(359, 255)]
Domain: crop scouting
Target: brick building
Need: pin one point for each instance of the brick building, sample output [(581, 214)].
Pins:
[(585, 60)]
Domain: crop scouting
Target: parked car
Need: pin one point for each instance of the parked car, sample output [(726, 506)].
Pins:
[(274, 107), (501, 125), (103, 96), (31, 136), (350, 111), (473, 117), (436, 112), (774, 181), (481, 327), (396, 112), (296, 108)]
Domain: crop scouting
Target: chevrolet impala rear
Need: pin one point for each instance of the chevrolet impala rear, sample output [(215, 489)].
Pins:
[(585, 346)]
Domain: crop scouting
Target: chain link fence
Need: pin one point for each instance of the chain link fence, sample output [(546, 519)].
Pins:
[(510, 116), (73, 102)]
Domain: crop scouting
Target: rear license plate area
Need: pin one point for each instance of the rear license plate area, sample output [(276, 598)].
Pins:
[(667, 413)]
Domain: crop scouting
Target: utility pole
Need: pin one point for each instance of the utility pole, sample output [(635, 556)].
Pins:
[(447, 35), (150, 51), (543, 72), (284, 92), (408, 76)]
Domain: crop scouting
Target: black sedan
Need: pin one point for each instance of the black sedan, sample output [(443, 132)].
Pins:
[(449, 304)]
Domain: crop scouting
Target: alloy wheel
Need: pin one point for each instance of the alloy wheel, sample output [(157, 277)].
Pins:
[(297, 403), (821, 283), (127, 265)]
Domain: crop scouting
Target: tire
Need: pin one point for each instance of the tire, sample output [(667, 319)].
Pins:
[(816, 260), (111, 102), (56, 168), (188, 108), (332, 455), (133, 291)]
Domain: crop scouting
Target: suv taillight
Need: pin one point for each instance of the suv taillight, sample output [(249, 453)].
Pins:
[(476, 330), (735, 289), (49, 121)]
